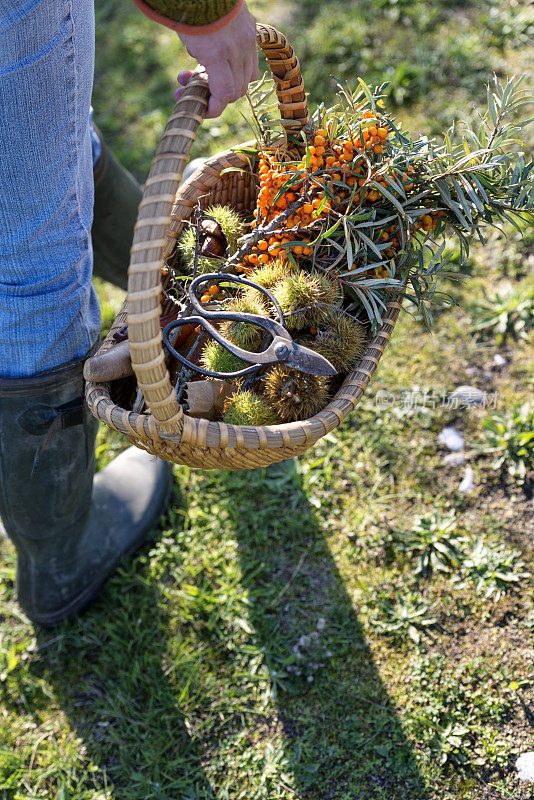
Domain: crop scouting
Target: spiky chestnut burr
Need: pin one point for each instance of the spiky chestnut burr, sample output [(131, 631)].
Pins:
[(308, 299), (226, 220), (248, 408), (215, 358), (186, 246), (231, 223), (268, 276), (342, 342), (242, 333), (294, 395)]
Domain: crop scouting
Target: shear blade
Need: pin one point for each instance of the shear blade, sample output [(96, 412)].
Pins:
[(305, 360)]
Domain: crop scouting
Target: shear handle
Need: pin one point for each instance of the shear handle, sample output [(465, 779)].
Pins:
[(165, 334), (277, 351)]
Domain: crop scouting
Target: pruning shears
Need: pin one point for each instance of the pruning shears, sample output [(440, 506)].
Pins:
[(281, 350)]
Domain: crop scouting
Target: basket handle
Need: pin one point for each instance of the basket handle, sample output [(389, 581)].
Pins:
[(144, 273)]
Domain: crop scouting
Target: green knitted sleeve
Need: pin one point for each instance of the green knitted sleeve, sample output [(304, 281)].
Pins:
[(193, 12)]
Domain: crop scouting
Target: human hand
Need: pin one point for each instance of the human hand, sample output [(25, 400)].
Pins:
[(230, 58)]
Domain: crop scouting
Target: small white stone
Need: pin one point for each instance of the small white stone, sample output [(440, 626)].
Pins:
[(525, 766), (321, 622), (468, 396), (499, 361), (454, 459), (468, 482), (451, 439)]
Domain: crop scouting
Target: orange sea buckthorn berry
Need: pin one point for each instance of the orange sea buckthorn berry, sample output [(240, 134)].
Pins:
[(378, 149), (298, 250), (307, 251), (329, 160), (213, 290), (368, 115), (319, 139), (263, 259), (253, 258), (307, 208), (262, 245), (426, 222), (305, 219), (383, 133), (205, 298)]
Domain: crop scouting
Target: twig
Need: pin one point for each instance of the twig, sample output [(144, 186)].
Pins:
[(261, 232)]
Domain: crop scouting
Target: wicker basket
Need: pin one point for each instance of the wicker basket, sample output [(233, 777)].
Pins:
[(167, 431)]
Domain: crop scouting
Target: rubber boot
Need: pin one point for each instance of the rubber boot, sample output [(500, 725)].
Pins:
[(69, 530), (117, 198)]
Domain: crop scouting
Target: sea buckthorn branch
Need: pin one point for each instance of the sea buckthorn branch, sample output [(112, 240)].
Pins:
[(366, 203), (258, 234)]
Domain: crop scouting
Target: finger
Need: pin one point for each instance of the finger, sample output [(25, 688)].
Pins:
[(222, 88), (243, 75), (184, 76)]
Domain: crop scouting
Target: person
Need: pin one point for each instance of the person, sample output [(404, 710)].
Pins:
[(69, 527)]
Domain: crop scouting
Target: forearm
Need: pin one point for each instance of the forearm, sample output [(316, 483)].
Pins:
[(191, 17)]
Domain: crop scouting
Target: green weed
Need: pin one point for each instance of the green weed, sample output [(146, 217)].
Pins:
[(506, 314), (510, 436), (411, 616), (457, 712), (432, 543), (493, 568)]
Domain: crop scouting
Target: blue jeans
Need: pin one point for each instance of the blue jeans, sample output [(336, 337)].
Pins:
[(49, 313)]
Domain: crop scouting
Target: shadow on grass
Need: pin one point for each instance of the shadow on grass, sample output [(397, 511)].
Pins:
[(154, 692), (343, 738), (108, 673)]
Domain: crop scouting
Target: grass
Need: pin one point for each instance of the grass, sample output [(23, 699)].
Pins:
[(293, 632)]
